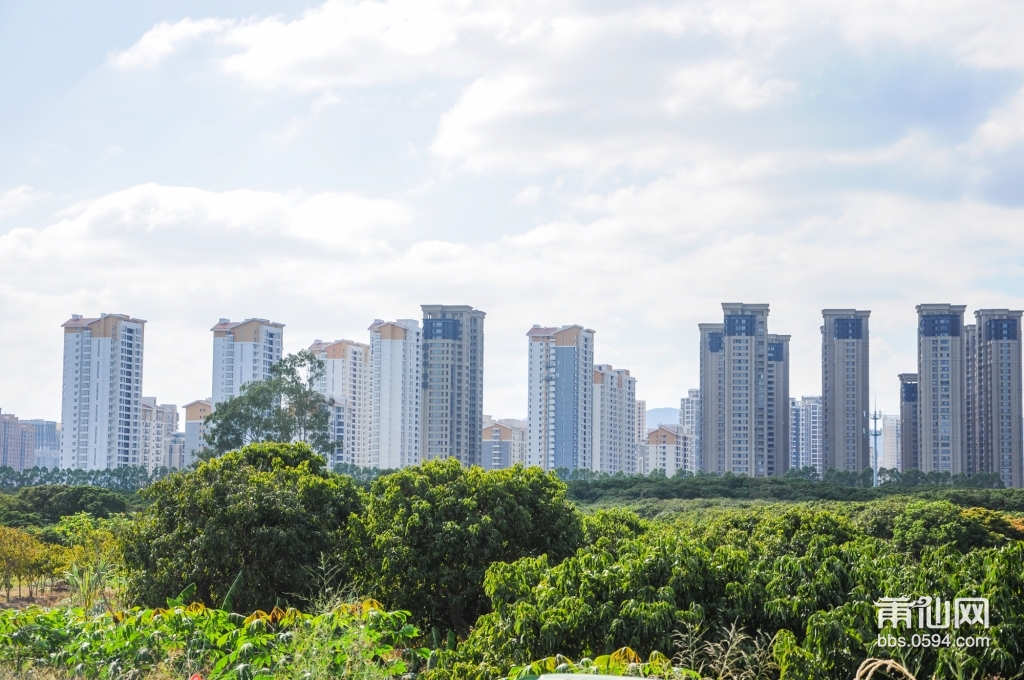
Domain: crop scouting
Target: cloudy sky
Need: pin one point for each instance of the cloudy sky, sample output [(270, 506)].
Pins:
[(627, 166)]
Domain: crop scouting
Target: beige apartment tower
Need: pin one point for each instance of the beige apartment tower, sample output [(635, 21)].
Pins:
[(845, 389), (910, 430), (453, 383), (940, 369), (745, 394), (992, 404)]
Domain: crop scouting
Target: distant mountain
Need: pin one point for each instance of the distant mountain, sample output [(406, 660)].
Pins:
[(662, 416)]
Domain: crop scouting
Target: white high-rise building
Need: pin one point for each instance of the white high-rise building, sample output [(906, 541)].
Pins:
[(396, 349), (614, 418), (158, 424), (346, 380), (194, 442), (243, 351), (689, 416), (805, 434), (671, 448), (561, 397), (102, 392), (892, 436)]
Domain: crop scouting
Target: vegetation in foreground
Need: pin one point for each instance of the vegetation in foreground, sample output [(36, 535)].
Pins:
[(503, 576)]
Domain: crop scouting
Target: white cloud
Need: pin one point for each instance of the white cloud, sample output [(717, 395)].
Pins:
[(162, 40), (1003, 129), (13, 201), (724, 83)]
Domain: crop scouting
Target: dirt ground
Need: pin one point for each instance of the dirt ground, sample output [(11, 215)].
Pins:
[(51, 598)]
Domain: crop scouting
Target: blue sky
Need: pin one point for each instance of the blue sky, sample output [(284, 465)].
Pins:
[(625, 166)]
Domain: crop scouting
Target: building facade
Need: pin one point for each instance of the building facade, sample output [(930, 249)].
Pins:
[(561, 397), (194, 441), (845, 389), (670, 449), (177, 458), (17, 443), (992, 407), (158, 423), (689, 415), (452, 383), (942, 437), (805, 433), (614, 421), (892, 440), (102, 392), (910, 431), (243, 351), (47, 453), (396, 349), (346, 381), (504, 442), (745, 390)]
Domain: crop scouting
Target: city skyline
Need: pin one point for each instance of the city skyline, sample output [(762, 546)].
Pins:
[(187, 161), (513, 391)]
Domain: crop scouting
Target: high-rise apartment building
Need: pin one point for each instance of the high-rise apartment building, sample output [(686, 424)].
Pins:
[(670, 449), (453, 382), (892, 439), (910, 430), (805, 433), (396, 350), (47, 454), (504, 442), (561, 397), (845, 390), (614, 421), (689, 415), (992, 407), (194, 441), (940, 369), (102, 392), (17, 443), (346, 380), (157, 426), (745, 394), (641, 421), (177, 458), (243, 351)]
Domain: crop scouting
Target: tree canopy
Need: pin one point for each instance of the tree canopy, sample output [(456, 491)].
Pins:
[(284, 408), (430, 532), (254, 521)]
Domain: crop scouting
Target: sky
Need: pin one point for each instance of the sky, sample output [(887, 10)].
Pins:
[(627, 166)]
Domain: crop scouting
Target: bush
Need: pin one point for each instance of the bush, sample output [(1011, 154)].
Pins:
[(939, 523), (430, 532), (256, 521)]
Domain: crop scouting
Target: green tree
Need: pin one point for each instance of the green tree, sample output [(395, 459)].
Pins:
[(284, 408), (923, 524), (255, 521), (53, 501), (431, 531)]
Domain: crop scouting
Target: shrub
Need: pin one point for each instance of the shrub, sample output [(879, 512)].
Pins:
[(431, 531), (256, 521)]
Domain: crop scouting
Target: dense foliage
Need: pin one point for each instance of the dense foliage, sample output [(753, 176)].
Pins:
[(253, 522), (430, 532), (355, 639), (124, 479), (41, 505), (619, 489), (807, 576)]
